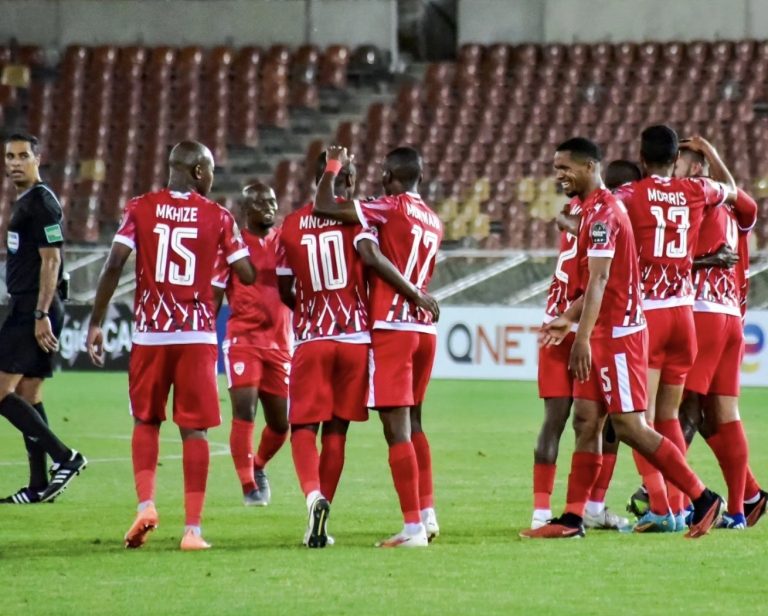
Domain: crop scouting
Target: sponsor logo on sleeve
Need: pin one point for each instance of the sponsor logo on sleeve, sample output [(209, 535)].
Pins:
[(599, 233), (53, 234), (13, 241)]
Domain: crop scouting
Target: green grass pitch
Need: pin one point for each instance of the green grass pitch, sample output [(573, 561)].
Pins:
[(67, 558)]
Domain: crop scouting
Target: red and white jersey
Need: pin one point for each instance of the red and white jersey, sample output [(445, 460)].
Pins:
[(745, 211), (258, 317), (177, 238), (565, 288), (409, 236), (606, 231), (666, 215), (716, 287), (331, 299)]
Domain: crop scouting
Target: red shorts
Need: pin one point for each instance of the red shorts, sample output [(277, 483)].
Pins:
[(555, 380), (717, 369), (328, 379), (671, 342), (399, 367), (190, 369), (621, 367), (265, 369)]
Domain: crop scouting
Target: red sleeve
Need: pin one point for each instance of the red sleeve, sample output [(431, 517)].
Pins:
[(372, 212), (220, 272), (601, 233), (126, 233), (365, 234), (745, 209), (282, 267), (231, 246), (714, 192)]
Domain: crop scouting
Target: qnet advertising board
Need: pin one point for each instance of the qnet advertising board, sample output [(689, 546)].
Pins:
[(497, 342)]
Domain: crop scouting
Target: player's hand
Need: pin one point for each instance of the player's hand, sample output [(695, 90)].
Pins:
[(338, 152), (429, 304), (554, 332), (697, 143), (44, 335), (95, 345), (723, 257), (580, 363)]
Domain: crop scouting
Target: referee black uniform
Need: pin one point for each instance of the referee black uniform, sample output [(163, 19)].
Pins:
[(35, 223)]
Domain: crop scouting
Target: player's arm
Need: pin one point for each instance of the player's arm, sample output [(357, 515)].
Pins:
[(581, 353), (325, 203), (717, 169), (218, 297), (286, 288), (105, 289), (723, 257), (372, 257), (50, 262), (244, 270), (554, 332), (745, 208)]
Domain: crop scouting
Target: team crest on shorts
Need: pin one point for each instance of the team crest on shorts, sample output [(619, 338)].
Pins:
[(239, 368), (599, 233)]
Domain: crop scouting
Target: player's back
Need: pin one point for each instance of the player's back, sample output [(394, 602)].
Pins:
[(410, 234), (177, 237), (666, 215), (331, 300), (565, 288)]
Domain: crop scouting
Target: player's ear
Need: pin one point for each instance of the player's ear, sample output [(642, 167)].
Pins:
[(197, 172)]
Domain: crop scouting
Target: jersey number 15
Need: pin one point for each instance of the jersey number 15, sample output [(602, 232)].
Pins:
[(171, 240)]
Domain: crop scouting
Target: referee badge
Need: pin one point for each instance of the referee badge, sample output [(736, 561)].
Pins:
[(13, 241), (53, 234)]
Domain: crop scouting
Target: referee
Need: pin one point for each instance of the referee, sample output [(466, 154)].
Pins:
[(28, 337)]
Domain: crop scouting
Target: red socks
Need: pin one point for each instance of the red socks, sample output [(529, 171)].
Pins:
[(730, 447), (585, 467), (671, 462), (543, 484), (424, 460), (604, 478), (196, 457), (331, 463), (405, 474), (270, 444), (752, 488), (306, 460), (654, 484), (145, 446), (672, 430), (241, 447)]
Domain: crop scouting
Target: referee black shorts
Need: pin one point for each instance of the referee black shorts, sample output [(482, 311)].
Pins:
[(19, 351)]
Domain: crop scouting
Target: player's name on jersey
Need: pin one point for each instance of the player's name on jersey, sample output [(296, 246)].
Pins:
[(672, 198), (428, 218), (314, 222), (176, 213)]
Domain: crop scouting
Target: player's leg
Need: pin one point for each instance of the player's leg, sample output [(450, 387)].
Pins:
[(585, 468), (391, 393), (273, 436), (243, 400), (31, 389), (423, 360), (691, 415), (596, 514), (668, 425), (195, 410), (333, 440), (556, 389)]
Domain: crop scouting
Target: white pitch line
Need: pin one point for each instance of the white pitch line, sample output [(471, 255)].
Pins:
[(217, 449)]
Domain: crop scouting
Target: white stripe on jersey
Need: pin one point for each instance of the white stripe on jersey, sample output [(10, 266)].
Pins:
[(625, 388)]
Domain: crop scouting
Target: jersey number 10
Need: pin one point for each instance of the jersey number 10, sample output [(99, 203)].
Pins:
[(171, 240), (327, 265)]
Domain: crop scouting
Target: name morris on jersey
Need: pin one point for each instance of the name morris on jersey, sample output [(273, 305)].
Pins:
[(659, 196), (426, 217), (175, 213)]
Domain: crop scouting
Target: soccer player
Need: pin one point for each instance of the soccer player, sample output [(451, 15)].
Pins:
[(715, 374), (666, 215), (612, 342), (29, 335), (177, 234), (257, 352), (403, 330)]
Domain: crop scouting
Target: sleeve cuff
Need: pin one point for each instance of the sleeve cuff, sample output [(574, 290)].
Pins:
[(360, 215), (365, 236), (219, 284), (237, 255), (126, 241), (284, 271), (600, 253)]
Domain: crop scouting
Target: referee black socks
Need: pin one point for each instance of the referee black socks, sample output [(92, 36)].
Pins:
[(29, 422)]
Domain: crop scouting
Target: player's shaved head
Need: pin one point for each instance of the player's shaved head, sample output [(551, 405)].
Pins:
[(404, 166), (620, 172), (191, 167), (344, 183), (658, 145), (691, 163), (255, 189), (581, 149), (259, 207)]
